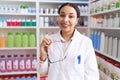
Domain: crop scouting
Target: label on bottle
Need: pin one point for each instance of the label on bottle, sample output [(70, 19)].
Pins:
[(9, 64), (34, 64), (15, 64), (22, 64), (28, 64)]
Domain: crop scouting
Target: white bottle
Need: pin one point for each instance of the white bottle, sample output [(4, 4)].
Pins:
[(105, 21), (106, 44), (110, 21), (118, 49), (116, 21), (114, 51), (110, 42), (102, 42)]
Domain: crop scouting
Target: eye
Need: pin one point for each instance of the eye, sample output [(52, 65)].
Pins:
[(71, 16), (62, 15)]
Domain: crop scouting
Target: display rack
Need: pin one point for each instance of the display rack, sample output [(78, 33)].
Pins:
[(39, 30)]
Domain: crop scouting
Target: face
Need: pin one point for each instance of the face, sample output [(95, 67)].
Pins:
[(67, 19)]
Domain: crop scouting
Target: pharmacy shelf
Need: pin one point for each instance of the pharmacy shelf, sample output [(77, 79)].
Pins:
[(105, 28), (20, 0), (57, 15), (109, 56), (19, 14), (60, 1), (51, 15), (22, 48), (17, 27), (106, 12), (18, 73)]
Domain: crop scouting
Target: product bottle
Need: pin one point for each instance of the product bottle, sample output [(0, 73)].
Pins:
[(34, 62), (2, 41), (10, 40), (116, 21), (18, 41), (22, 62), (28, 62), (105, 21), (28, 22), (3, 63), (33, 22), (32, 39), (23, 23), (110, 21), (102, 42), (15, 63), (25, 40), (9, 63)]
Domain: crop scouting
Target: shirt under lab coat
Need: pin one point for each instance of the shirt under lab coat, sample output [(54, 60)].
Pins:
[(79, 64)]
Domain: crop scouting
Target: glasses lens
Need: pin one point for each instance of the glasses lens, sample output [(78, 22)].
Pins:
[(55, 52)]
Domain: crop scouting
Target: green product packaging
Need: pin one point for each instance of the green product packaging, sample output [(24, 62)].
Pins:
[(28, 22), (33, 22), (10, 40), (32, 39), (25, 40), (18, 41), (23, 23)]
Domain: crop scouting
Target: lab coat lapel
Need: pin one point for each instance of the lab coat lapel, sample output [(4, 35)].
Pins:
[(72, 46)]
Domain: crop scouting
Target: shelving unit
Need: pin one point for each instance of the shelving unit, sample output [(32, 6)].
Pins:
[(102, 33), (38, 29)]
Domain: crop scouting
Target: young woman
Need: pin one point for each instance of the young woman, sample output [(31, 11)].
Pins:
[(68, 55)]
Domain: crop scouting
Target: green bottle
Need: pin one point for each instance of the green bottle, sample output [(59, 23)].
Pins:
[(18, 41), (33, 22), (32, 39), (10, 40), (28, 22), (25, 40), (23, 23)]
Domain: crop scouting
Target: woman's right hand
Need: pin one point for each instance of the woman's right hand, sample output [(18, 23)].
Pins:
[(44, 48)]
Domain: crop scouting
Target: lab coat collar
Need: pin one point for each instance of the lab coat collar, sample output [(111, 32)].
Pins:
[(73, 37)]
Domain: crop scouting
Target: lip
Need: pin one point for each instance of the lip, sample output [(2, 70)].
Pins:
[(65, 25)]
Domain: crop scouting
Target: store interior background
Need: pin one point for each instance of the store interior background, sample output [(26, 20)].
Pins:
[(24, 23)]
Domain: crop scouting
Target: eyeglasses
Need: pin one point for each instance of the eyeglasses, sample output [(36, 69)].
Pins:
[(54, 59)]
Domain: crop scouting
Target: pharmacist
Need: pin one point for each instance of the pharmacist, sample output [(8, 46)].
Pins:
[(68, 55)]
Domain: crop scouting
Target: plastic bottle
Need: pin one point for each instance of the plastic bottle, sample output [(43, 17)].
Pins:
[(3, 63), (23, 23), (34, 22), (105, 21), (9, 63), (15, 63), (102, 42), (28, 22), (22, 62), (2, 41), (116, 21), (34, 62), (110, 21), (32, 39), (115, 45), (18, 41), (28, 62), (25, 40), (10, 40)]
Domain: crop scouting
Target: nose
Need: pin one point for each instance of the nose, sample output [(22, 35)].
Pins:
[(66, 18)]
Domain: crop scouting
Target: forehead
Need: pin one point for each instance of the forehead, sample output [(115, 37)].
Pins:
[(68, 9)]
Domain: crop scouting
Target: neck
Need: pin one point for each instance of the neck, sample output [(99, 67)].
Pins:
[(67, 35)]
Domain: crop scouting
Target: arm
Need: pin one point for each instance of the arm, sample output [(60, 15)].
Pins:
[(43, 56), (91, 68)]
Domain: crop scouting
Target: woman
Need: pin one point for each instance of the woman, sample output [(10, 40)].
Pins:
[(68, 55)]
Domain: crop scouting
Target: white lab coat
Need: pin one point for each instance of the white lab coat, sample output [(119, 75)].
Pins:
[(72, 68)]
